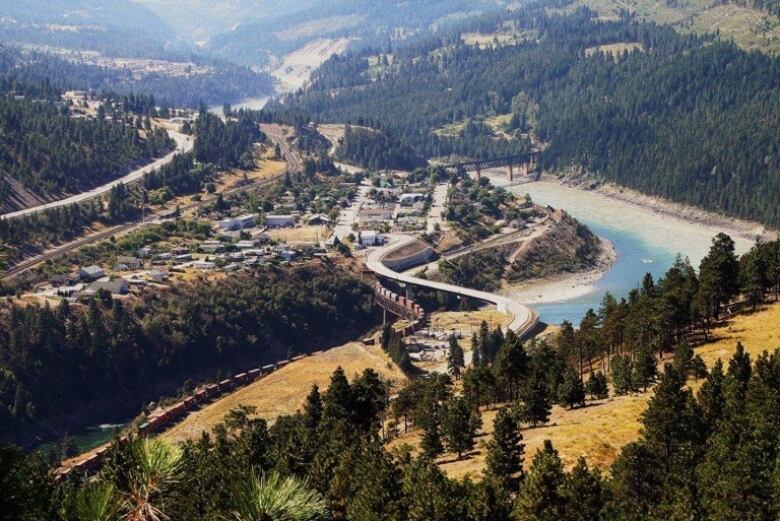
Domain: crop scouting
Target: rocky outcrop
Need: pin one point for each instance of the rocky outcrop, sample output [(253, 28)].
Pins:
[(567, 247)]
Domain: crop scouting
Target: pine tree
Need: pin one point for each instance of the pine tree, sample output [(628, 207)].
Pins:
[(511, 366), (712, 396), (698, 367), (622, 371), (719, 272), (571, 393), (476, 356), (534, 405), (505, 451), (683, 359), (671, 421), (583, 493), (460, 424), (455, 357), (431, 443), (484, 344), (313, 408), (338, 399), (597, 387), (540, 497), (645, 369)]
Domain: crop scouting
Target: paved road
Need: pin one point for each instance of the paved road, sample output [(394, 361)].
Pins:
[(349, 215), (183, 145), (522, 319), (61, 249)]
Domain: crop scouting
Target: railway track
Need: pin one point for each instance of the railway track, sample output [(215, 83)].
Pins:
[(275, 132)]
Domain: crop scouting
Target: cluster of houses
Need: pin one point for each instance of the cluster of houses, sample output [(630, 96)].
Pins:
[(288, 220), (407, 212), (153, 268)]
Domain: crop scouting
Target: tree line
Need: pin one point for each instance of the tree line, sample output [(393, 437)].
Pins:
[(48, 152), (104, 356), (694, 454)]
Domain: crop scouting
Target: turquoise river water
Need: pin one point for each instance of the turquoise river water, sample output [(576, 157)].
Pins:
[(644, 241)]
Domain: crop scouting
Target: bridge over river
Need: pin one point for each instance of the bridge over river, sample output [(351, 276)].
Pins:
[(526, 162)]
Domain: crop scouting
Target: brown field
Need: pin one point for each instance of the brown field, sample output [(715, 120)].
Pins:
[(600, 430), (299, 235), (284, 391)]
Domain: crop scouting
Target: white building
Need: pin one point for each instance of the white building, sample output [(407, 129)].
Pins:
[(280, 221), (409, 199), (238, 223), (91, 273), (371, 238)]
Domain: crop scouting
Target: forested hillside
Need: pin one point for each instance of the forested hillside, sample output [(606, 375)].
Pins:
[(49, 153), (619, 115), (77, 360), (376, 150), (216, 81)]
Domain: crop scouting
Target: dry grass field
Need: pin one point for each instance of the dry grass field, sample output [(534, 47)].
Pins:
[(284, 391), (600, 430), (301, 235)]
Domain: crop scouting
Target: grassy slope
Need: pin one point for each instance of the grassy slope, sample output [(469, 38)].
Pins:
[(750, 28), (600, 430), (284, 391)]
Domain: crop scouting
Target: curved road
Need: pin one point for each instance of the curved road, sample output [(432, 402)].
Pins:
[(522, 319), (184, 144)]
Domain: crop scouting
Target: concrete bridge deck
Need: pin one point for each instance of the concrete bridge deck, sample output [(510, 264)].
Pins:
[(522, 319)]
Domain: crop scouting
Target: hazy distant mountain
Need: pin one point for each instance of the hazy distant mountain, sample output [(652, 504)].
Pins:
[(109, 26), (200, 20), (258, 31)]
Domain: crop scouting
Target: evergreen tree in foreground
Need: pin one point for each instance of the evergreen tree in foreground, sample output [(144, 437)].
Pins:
[(571, 392), (597, 387), (455, 357), (460, 424), (540, 497), (505, 451)]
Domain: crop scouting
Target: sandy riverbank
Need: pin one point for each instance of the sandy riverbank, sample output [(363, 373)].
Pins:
[(565, 286), (649, 206), (748, 230)]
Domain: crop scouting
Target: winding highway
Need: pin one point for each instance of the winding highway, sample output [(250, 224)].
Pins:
[(522, 319), (184, 144)]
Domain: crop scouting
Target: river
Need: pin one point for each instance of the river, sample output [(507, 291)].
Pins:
[(87, 439), (249, 104), (644, 241)]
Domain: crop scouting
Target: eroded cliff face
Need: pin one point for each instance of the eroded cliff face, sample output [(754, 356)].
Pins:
[(566, 247), (558, 245)]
